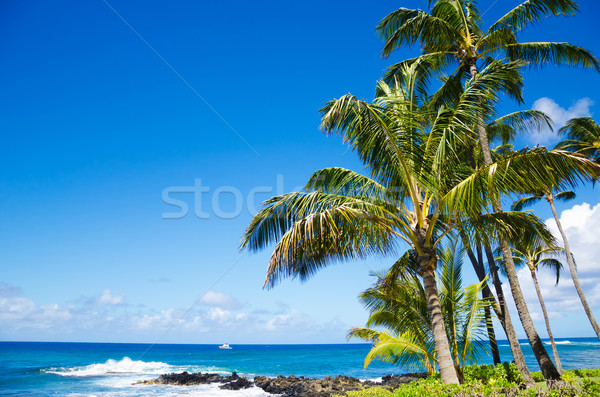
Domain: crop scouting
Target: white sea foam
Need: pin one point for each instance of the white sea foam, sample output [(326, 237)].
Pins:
[(562, 342), (211, 390), (113, 367), (120, 376), (127, 366)]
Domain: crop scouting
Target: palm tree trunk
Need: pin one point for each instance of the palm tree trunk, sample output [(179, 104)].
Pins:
[(539, 294), (486, 294), (488, 317), (504, 316), (442, 347), (572, 269), (490, 329), (548, 369)]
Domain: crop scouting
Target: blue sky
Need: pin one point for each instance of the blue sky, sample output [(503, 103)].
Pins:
[(98, 120)]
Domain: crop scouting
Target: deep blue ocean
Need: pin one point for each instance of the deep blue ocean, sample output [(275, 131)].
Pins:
[(110, 369)]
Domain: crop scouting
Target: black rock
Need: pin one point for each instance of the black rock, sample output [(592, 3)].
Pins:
[(239, 383), (290, 386)]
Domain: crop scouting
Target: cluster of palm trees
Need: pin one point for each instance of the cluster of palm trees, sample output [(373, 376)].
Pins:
[(435, 182)]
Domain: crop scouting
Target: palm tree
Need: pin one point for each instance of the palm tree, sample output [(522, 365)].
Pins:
[(451, 32), (399, 304), (550, 198), (583, 135), (534, 255), (419, 191)]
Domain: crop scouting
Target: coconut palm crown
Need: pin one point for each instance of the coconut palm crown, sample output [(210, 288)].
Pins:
[(451, 32), (583, 136)]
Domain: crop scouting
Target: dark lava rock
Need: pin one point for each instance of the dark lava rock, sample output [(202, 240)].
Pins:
[(187, 379), (395, 381), (233, 382), (301, 386), (290, 386)]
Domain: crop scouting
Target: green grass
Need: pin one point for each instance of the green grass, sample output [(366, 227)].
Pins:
[(498, 381)]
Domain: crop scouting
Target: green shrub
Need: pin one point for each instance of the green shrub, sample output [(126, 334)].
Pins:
[(502, 380), (485, 373)]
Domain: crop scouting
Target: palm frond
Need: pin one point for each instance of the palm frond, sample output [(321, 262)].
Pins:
[(509, 225), (525, 202), (407, 27), (540, 53), (552, 264), (377, 138), (508, 126), (401, 350), (583, 135), (565, 196), (532, 11), (524, 172), (345, 182), (496, 39)]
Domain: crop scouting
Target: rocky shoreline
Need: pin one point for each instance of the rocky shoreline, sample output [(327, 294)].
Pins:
[(290, 386)]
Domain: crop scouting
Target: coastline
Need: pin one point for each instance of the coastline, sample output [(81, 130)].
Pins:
[(46, 369)]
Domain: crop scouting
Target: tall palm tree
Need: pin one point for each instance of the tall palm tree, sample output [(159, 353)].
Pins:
[(550, 198), (534, 255), (583, 136), (451, 32), (399, 304), (419, 191)]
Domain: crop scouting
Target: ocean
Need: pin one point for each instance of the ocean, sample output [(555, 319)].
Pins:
[(111, 369)]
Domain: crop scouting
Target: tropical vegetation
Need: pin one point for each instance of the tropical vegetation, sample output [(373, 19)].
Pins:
[(398, 303), (433, 178), (499, 380), (451, 35)]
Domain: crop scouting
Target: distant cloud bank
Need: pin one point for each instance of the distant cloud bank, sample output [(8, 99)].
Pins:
[(108, 317)]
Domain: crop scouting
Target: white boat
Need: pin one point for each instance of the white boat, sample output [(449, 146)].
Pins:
[(225, 346)]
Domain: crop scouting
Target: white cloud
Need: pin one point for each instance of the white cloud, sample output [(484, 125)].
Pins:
[(161, 320), (559, 116), (581, 224), (18, 312), (218, 315), (220, 300), (108, 299)]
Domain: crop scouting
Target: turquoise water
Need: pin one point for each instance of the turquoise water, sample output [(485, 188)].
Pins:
[(108, 369)]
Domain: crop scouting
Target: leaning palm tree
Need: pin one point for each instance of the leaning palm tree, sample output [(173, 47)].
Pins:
[(551, 198), (535, 255), (583, 136), (399, 305), (451, 33), (418, 192)]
